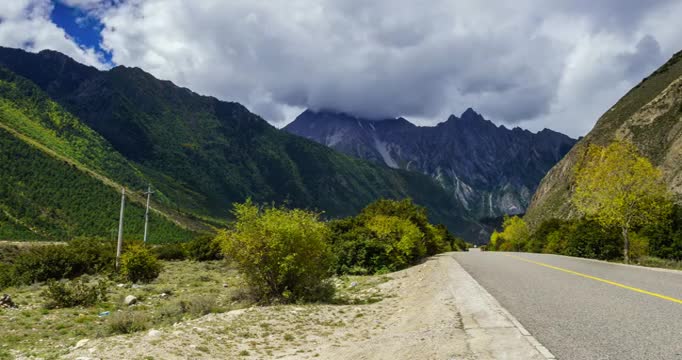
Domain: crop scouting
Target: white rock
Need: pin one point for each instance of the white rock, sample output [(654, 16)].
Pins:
[(129, 300), (154, 333), (81, 343)]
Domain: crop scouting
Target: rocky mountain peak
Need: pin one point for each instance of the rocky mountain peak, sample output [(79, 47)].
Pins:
[(490, 170)]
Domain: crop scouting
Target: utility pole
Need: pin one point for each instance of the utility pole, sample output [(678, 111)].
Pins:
[(120, 229), (146, 212)]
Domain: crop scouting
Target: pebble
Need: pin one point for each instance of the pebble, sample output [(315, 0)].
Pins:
[(154, 333)]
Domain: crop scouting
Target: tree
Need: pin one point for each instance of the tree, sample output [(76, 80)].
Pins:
[(618, 187), (513, 237)]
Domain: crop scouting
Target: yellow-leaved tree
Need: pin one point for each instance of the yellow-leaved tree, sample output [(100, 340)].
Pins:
[(513, 237), (619, 188)]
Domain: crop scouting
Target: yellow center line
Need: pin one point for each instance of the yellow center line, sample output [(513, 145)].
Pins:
[(632, 288)]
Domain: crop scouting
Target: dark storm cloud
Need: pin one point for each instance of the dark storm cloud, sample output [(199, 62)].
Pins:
[(555, 64)]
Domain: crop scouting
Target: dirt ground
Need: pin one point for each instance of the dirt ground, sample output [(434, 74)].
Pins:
[(418, 318)]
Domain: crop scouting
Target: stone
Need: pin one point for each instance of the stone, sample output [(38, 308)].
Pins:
[(154, 333), (6, 302), (81, 343), (130, 300), (353, 284)]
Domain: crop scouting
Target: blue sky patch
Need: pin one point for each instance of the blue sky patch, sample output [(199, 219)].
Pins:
[(84, 28)]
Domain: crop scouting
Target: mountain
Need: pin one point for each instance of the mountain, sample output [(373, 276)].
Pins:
[(55, 175), (125, 127), (649, 116), (490, 170)]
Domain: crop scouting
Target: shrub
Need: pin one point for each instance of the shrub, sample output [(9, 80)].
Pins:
[(357, 249), (555, 243), (405, 243), (204, 248), (138, 264), (42, 263), (127, 322), (639, 246), (53, 262), (282, 253), (65, 294), (8, 276), (91, 255), (170, 252), (388, 235), (586, 238), (665, 237), (199, 305), (539, 237)]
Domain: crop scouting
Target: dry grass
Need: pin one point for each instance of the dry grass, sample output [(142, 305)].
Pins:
[(192, 289)]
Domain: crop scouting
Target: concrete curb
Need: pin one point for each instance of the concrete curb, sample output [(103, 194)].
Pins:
[(497, 307)]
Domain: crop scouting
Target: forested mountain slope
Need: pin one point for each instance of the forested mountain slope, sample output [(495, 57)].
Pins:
[(200, 153)]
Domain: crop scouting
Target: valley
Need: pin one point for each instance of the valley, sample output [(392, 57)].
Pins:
[(291, 180)]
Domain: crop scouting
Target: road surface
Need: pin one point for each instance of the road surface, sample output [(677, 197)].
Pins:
[(584, 309)]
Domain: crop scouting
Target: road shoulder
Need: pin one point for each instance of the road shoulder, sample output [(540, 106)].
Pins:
[(435, 310), (493, 332)]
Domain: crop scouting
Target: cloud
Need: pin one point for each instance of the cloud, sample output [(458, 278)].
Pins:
[(556, 64), (26, 24)]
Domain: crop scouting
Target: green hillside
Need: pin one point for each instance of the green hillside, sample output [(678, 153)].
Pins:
[(43, 198), (201, 154)]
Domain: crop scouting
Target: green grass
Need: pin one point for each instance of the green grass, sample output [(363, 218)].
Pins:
[(651, 261), (36, 331)]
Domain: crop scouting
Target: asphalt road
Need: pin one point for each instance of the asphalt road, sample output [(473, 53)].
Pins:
[(584, 318)]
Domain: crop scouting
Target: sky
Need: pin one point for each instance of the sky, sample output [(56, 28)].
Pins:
[(536, 64)]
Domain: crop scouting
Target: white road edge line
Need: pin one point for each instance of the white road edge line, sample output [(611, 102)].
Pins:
[(526, 335), (631, 266)]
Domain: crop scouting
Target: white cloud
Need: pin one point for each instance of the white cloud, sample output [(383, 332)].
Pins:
[(26, 24), (556, 64)]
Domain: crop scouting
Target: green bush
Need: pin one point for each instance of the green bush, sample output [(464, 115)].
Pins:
[(37, 263), (65, 293), (540, 237), (170, 252), (8, 276), (283, 254), (580, 237), (204, 248), (388, 235), (138, 264), (405, 242), (665, 237), (42, 263), (91, 255)]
